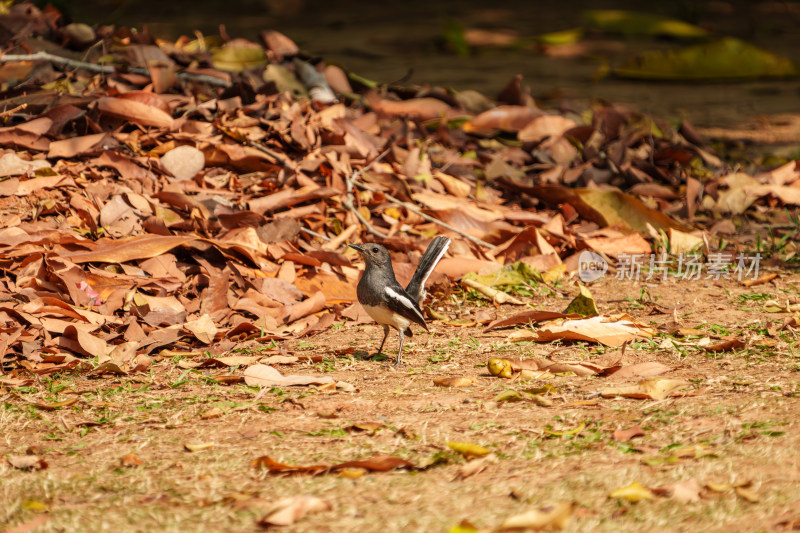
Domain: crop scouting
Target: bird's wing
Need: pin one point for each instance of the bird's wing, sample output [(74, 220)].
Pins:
[(399, 301), (431, 257)]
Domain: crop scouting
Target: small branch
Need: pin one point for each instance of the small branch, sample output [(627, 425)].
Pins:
[(315, 234), (340, 239), (418, 211), (495, 295), (12, 111), (364, 222), (276, 156), (105, 69), (348, 201)]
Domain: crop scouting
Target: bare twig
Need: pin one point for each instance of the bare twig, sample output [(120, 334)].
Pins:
[(418, 211), (315, 234), (12, 111), (495, 295), (105, 69), (348, 201), (276, 156), (340, 239)]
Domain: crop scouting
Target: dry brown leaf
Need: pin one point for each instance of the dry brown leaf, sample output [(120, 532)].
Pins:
[(287, 511), (453, 381), (726, 346), (655, 389), (609, 330), (377, 463), (476, 466), (267, 376), (555, 516), (504, 117), (624, 435), (686, 491), (124, 250), (55, 405), (183, 162), (202, 328), (130, 460), (27, 462), (527, 317), (642, 370), (135, 111), (418, 108)]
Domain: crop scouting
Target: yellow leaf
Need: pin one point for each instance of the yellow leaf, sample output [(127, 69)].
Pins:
[(198, 446), (463, 527), (352, 473), (468, 449), (35, 505), (583, 304), (570, 432), (633, 493)]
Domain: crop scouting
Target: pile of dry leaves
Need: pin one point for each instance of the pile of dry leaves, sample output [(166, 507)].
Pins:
[(172, 195)]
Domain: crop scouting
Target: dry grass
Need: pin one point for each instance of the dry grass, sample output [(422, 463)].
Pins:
[(745, 412)]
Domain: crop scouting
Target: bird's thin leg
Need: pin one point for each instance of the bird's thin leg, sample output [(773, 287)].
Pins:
[(385, 334), (400, 351)]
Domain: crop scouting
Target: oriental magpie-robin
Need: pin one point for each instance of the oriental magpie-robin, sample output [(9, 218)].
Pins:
[(385, 300)]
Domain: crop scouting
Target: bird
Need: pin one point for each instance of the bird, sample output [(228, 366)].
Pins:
[(385, 300)]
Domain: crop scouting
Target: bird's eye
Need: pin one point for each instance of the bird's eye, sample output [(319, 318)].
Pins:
[(374, 250)]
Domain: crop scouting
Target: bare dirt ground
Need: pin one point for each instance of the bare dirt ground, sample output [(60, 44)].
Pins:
[(739, 412)]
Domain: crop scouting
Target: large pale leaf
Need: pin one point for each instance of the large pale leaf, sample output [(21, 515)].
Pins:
[(726, 58)]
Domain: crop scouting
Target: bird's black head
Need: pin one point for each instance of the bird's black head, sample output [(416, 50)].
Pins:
[(374, 254)]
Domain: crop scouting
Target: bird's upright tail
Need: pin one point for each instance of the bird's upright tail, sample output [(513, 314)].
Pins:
[(435, 251)]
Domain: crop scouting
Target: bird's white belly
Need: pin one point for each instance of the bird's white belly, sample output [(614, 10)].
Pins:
[(384, 316)]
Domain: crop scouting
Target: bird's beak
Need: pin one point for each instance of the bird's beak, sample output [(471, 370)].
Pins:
[(357, 248)]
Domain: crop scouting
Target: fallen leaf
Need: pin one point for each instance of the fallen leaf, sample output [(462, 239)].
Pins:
[(643, 370), (747, 494), (453, 381), (763, 278), (55, 405), (526, 317), (202, 328), (130, 460), (376, 463), (725, 58), (624, 435), (654, 389), (468, 449), (183, 162), (634, 492), (686, 491), (609, 330), (27, 462), (726, 346), (287, 511), (214, 412), (475, 466), (267, 376), (30, 525), (548, 517), (583, 304)]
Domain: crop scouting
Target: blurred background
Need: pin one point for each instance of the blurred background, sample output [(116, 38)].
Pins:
[(481, 45)]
